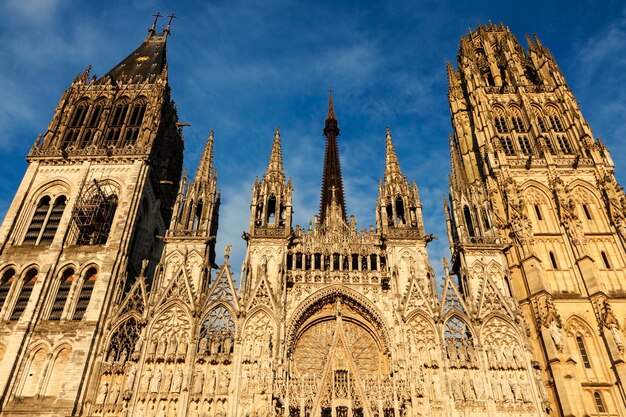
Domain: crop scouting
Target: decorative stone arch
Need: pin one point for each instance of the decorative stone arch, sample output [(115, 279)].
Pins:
[(421, 327), (316, 300), (583, 340), (34, 367), (503, 344), (217, 327), (585, 194), (56, 369), (172, 322), (578, 326)]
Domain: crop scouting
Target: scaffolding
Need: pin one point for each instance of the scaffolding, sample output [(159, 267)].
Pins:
[(93, 214)]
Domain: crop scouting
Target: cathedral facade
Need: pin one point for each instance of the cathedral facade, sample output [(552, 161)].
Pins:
[(114, 303)]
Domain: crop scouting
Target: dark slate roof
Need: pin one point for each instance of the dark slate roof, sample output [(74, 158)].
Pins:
[(147, 61)]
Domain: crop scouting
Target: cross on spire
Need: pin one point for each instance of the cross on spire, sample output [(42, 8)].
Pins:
[(152, 28), (172, 17)]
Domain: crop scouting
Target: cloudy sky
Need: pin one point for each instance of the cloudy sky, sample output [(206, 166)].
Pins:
[(242, 68)]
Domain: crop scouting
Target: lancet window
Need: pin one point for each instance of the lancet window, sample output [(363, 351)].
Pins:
[(500, 121), (507, 145), (564, 144), (85, 294), (29, 281), (45, 221), (516, 120), (116, 123), (93, 214), (63, 291), (5, 285), (91, 126), (524, 144), (555, 120), (599, 403), (76, 123), (133, 125)]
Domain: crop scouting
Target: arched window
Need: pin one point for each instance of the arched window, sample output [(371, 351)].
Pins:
[(605, 259), (76, 123), (373, 262), (116, 122), (583, 351), (555, 119), (486, 220), (91, 125), (401, 219), (524, 145), (22, 300), (538, 212), (553, 261), (468, 221), (271, 210), (459, 341), (599, 403), (500, 121), (541, 123), (5, 285), (197, 216), (507, 145), (218, 327), (134, 123), (587, 212), (85, 294), (64, 289), (52, 224), (37, 222)]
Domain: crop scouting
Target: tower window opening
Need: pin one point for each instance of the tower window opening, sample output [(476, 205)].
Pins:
[(564, 144), (76, 123), (326, 262), (364, 263), (355, 262), (400, 218), (373, 263), (583, 351), (271, 210), (383, 263), (524, 144), (553, 261), (486, 220), (468, 221), (599, 403), (197, 217), (53, 221), (307, 262), (389, 211), (549, 145), (22, 300), (289, 261), (336, 262), (508, 285), (587, 212), (5, 285), (134, 124), (62, 293), (538, 212), (116, 123), (37, 222), (605, 259), (85, 294), (318, 261), (507, 145), (345, 262), (542, 124), (91, 126), (298, 260)]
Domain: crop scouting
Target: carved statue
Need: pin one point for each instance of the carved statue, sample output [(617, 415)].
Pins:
[(518, 357), (202, 346), (144, 383), (468, 392), (215, 345), (182, 347), (557, 336), (227, 345), (515, 388), (457, 393), (167, 381), (617, 337), (114, 394), (198, 382), (130, 379), (507, 391), (177, 381), (123, 356), (212, 381), (155, 382), (102, 393), (224, 381), (161, 412), (162, 347), (479, 388)]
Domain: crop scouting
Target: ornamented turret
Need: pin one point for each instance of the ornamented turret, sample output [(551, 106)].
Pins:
[(332, 183), (399, 208), (270, 208)]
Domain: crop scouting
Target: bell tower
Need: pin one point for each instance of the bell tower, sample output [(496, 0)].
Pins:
[(97, 193), (535, 211)]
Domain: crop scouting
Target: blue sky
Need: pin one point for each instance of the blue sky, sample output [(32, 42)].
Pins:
[(242, 68)]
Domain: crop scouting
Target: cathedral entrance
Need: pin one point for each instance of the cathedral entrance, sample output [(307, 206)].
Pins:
[(339, 368)]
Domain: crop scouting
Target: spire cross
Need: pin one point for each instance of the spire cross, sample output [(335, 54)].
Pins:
[(330, 91), (172, 17), (156, 18)]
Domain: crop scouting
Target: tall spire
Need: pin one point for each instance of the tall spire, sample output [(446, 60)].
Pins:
[(331, 178), (275, 166), (392, 166), (205, 167)]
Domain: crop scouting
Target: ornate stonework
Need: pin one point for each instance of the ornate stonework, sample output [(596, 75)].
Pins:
[(112, 302)]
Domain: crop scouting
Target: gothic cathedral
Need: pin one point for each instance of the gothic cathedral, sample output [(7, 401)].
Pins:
[(113, 303)]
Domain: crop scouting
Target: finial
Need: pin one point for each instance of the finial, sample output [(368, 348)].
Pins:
[(446, 269), (388, 133), (152, 28), (277, 133), (169, 24), (331, 106), (144, 266), (227, 252)]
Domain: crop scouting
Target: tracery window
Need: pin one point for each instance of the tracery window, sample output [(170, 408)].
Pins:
[(85, 294), (123, 341), (459, 342), (5, 285), (555, 121), (516, 120), (507, 145), (62, 293), (116, 122), (133, 125), (22, 300), (45, 221), (500, 121), (218, 329), (583, 351), (91, 126), (76, 123)]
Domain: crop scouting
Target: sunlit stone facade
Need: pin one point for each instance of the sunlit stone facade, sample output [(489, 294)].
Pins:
[(113, 302)]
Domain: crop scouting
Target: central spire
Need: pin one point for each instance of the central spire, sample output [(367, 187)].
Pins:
[(331, 180)]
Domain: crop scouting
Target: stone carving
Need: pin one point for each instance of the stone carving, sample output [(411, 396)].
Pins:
[(177, 381), (155, 382), (198, 382), (102, 393), (557, 336)]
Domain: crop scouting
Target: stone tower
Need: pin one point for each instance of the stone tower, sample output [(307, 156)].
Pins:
[(98, 191), (535, 214)]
